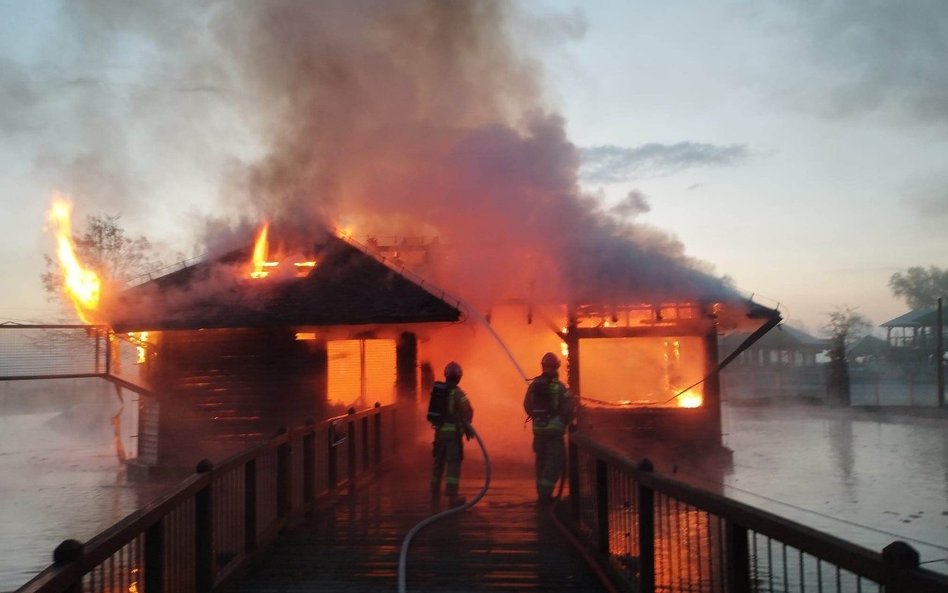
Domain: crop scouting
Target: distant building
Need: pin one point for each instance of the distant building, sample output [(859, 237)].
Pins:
[(900, 370), (783, 363), (912, 336)]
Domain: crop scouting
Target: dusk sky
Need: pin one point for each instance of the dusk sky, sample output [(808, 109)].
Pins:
[(799, 147)]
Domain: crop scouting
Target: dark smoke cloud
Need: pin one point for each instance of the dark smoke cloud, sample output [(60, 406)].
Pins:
[(18, 101), (611, 164), (118, 101), (929, 198), (872, 55), (634, 204), (416, 117)]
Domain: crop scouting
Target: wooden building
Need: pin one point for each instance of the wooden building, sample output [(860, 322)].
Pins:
[(648, 375), (782, 364), (912, 337), (232, 357)]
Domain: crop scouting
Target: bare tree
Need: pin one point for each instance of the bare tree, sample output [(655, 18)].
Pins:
[(845, 326), (105, 247), (920, 287)]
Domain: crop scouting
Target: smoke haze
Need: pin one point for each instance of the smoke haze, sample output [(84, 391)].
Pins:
[(412, 118)]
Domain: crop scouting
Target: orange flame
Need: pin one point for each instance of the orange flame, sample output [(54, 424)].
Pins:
[(261, 247), (82, 285), (261, 257), (690, 399), (140, 341)]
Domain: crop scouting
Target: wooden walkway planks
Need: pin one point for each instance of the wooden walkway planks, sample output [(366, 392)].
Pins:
[(504, 543)]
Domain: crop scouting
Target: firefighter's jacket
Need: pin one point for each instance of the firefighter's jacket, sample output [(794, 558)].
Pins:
[(549, 405), (459, 409)]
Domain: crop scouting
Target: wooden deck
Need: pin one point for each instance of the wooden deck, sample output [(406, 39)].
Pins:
[(504, 543)]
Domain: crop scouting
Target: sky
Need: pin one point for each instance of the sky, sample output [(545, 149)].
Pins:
[(798, 147)]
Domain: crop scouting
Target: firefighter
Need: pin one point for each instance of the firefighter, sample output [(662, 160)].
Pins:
[(450, 414), (551, 408)]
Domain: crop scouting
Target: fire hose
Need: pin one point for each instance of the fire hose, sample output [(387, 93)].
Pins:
[(403, 555)]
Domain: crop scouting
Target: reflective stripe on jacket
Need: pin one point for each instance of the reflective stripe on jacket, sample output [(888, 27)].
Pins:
[(458, 407)]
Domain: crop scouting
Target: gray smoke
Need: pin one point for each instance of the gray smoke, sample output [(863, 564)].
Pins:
[(609, 164), (417, 117)]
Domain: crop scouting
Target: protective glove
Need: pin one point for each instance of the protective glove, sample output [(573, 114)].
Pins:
[(468, 433)]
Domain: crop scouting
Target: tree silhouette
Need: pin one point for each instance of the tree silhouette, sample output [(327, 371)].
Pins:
[(920, 287), (846, 326), (105, 247)]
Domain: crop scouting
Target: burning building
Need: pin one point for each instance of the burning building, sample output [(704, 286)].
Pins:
[(648, 374), (239, 347), (413, 118), (643, 340)]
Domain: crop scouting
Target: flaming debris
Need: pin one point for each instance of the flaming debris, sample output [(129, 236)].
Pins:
[(140, 340), (81, 283), (261, 248), (262, 265), (690, 399)]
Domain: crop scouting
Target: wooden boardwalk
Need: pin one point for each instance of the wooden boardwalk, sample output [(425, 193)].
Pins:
[(504, 543)]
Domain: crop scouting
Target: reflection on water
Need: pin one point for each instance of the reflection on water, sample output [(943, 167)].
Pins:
[(866, 478), (59, 479)]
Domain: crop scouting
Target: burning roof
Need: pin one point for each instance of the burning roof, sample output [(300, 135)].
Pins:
[(345, 287)]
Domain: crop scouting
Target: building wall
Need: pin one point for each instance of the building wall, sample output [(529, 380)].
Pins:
[(220, 391)]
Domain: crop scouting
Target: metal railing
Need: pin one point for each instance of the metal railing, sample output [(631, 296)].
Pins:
[(198, 535), (657, 534), (37, 352), (53, 351)]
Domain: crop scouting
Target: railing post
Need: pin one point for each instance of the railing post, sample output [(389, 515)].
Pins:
[(98, 338), (333, 458), (283, 476), (940, 354), (154, 568), (377, 434), (898, 558), (602, 506), (309, 463), (574, 501), (67, 552), (351, 457), (250, 505), (204, 533), (646, 513), (108, 352), (395, 429), (365, 443), (737, 558)]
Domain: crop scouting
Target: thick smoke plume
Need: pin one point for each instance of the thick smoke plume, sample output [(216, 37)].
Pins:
[(425, 118), (410, 118), (421, 117)]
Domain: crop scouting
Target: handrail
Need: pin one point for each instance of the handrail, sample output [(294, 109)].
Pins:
[(196, 536), (629, 515), (97, 362)]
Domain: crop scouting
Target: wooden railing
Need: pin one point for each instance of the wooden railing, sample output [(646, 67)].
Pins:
[(197, 536), (658, 534)]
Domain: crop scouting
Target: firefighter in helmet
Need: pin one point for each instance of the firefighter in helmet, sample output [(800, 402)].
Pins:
[(450, 414), (551, 408)]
